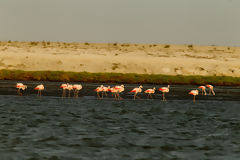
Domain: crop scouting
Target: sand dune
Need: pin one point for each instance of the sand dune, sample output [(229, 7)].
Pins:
[(121, 58)]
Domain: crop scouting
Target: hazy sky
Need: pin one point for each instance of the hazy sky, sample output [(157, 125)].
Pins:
[(203, 22)]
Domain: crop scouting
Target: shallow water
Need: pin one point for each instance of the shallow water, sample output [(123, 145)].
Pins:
[(54, 128)]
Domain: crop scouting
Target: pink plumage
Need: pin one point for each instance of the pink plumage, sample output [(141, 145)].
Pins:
[(193, 92)]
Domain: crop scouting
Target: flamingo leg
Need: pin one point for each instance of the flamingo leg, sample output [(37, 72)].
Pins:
[(193, 98), (19, 92), (69, 93), (76, 93), (164, 98), (64, 93), (134, 97), (151, 96), (163, 95), (120, 98), (117, 96), (98, 95), (213, 92), (137, 96)]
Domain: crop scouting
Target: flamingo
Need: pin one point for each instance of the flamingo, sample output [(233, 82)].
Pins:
[(99, 89), (150, 92), (164, 90), (105, 90), (119, 89), (77, 88), (69, 88), (113, 91), (136, 91), (64, 87), (194, 93), (20, 87), (203, 89), (211, 89), (39, 88)]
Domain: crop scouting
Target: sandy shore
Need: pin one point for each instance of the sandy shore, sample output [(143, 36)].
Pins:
[(121, 58)]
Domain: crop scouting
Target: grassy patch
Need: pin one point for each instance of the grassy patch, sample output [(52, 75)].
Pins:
[(115, 78)]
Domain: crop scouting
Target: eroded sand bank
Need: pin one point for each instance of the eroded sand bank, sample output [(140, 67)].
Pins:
[(121, 58)]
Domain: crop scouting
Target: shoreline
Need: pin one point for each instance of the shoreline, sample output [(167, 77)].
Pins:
[(129, 78)]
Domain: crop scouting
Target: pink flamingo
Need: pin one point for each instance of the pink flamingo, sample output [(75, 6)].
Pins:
[(77, 88), (150, 92), (105, 90), (69, 88), (203, 89), (99, 89), (113, 91), (20, 87), (194, 93), (119, 89), (39, 88), (64, 87), (164, 90), (211, 89), (136, 91)]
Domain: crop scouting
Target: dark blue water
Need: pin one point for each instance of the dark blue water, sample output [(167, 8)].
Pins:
[(54, 128)]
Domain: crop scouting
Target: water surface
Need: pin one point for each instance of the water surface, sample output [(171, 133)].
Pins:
[(55, 128)]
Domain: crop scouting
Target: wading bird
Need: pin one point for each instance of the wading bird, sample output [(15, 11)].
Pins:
[(150, 92), (105, 90), (136, 91), (203, 89), (20, 87), (99, 89), (39, 88), (194, 93), (210, 89), (119, 89), (64, 87), (77, 88), (113, 91), (164, 90), (69, 88)]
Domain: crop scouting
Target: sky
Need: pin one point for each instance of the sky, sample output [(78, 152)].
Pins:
[(200, 22)]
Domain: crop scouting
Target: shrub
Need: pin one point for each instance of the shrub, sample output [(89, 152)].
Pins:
[(34, 43), (167, 46)]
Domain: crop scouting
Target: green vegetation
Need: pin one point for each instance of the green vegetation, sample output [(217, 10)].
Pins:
[(115, 78)]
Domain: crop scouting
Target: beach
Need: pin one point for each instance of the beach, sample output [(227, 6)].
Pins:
[(165, 59)]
